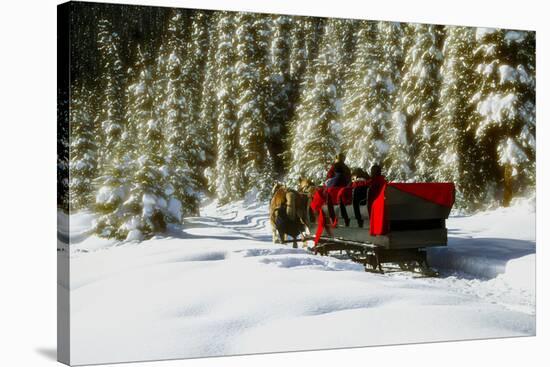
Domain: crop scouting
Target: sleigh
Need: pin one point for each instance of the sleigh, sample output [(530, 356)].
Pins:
[(393, 225)]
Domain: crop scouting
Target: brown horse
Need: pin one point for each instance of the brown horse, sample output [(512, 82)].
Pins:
[(297, 206)]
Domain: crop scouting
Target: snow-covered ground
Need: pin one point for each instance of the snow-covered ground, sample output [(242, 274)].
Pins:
[(220, 287)]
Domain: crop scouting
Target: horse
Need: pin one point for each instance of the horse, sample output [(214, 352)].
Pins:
[(289, 211)]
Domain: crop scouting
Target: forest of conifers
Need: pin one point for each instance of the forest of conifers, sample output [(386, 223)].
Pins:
[(170, 105)]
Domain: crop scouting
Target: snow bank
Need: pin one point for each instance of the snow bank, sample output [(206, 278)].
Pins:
[(521, 273), (80, 236), (498, 243)]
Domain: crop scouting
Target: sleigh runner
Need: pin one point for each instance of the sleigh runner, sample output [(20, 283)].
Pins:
[(393, 223)]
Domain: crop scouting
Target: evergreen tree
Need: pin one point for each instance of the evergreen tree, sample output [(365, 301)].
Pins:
[(251, 47), (393, 43), (460, 158), (114, 179), (367, 104), (209, 103), (174, 43), (306, 33), (194, 65), (145, 212), (199, 130), (428, 84), (175, 113), (414, 125), (83, 149), (343, 41), (63, 139), (279, 100), (316, 129), (229, 180), (505, 104), (112, 109), (181, 145), (160, 82), (304, 41)]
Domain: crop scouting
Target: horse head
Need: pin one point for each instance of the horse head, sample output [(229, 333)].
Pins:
[(306, 186)]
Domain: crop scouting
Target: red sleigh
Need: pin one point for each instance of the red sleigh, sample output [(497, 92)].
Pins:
[(387, 223)]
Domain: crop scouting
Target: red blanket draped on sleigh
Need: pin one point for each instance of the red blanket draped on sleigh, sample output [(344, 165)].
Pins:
[(317, 207), (378, 222), (441, 193)]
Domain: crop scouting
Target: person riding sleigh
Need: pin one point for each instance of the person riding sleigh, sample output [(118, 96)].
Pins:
[(353, 194), (339, 174)]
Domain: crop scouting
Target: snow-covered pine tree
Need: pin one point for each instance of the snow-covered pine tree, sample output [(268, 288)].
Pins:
[(280, 88), (505, 109), (128, 145), (182, 155), (145, 211), (83, 149), (305, 36), (209, 102), (428, 83), (251, 60), (113, 179), (317, 126), (112, 83), (63, 139), (367, 103), (414, 124), (392, 41), (268, 174), (159, 83), (173, 107), (228, 176), (344, 41), (173, 41), (460, 156), (194, 67)]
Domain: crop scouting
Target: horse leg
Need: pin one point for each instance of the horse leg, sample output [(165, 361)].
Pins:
[(282, 236), (304, 235), (275, 235)]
